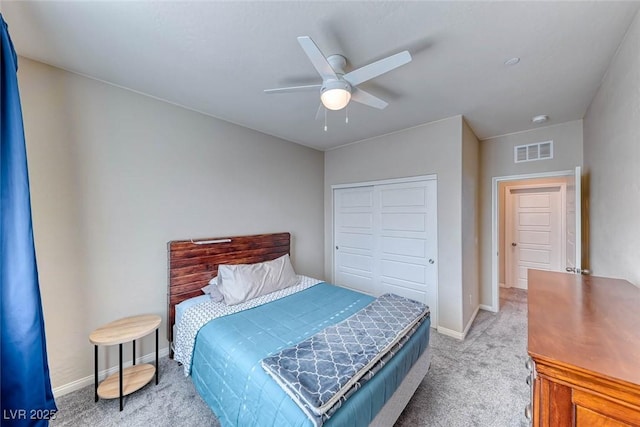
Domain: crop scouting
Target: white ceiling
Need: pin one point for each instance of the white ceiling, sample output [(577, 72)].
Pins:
[(217, 57)]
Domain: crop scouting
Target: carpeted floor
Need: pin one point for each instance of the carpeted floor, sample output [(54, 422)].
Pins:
[(476, 382)]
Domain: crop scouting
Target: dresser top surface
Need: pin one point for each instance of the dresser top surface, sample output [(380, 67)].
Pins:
[(592, 323)]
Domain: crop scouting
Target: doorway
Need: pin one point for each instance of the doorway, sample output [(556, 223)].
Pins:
[(498, 201)]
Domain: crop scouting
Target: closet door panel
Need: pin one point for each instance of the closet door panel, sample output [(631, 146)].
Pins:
[(386, 240), (354, 239), (406, 240)]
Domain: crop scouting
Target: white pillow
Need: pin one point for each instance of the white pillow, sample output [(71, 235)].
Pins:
[(212, 290), (242, 282)]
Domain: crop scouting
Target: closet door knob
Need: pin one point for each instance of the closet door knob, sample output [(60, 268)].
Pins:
[(431, 261)]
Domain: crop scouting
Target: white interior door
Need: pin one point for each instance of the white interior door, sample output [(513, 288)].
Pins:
[(354, 238), (407, 241), (574, 223), (534, 231)]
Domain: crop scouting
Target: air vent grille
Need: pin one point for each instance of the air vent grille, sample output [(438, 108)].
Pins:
[(531, 152)]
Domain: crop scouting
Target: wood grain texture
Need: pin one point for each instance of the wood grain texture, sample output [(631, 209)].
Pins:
[(611, 409), (554, 404), (586, 417), (125, 329), (133, 378), (591, 323), (191, 266), (584, 337)]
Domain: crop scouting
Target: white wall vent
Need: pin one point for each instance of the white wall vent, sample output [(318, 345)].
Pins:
[(530, 152)]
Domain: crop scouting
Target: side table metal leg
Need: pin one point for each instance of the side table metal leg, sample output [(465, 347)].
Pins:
[(95, 370), (134, 352), (120, 376), (157, 365)]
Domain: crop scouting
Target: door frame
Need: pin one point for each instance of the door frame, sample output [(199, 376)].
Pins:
[(508, 220), (495, 183)]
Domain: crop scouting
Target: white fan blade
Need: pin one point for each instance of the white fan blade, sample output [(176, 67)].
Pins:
[(316, 57), (293, 89), (377, 68), (366, 98)]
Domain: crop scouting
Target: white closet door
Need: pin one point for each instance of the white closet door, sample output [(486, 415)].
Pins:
[(407, 241), (386, 240), (354, 238)]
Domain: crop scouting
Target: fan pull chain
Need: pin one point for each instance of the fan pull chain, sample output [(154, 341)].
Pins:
[(325, 119), (346, 114)]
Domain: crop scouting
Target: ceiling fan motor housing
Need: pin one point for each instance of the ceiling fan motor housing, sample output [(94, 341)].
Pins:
[(338, 63), (335, 84)]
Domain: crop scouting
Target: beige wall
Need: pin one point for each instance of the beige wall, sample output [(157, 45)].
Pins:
[(434, 148), (116, 175), (612, 164), (496, 160), (470, 223)]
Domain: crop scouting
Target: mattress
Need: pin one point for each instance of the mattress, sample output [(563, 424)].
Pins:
[(184, 305), (226, 359)]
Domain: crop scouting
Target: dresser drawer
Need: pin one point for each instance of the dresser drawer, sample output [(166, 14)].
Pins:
[(594, 410)]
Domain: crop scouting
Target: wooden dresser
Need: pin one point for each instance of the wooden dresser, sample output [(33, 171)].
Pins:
[(584, 341)]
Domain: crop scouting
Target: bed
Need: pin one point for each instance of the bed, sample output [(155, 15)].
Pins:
[(225, 363)]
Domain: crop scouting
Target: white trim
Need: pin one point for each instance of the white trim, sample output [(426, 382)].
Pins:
[(386, 181), (495, 181), (487, 308), (470, 322), (83, 382), (461, 335), (450, 333), (578, 216)]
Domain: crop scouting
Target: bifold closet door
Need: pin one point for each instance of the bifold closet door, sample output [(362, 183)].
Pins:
[(386, 240)]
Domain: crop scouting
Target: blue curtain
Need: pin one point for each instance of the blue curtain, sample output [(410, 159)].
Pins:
[(27, 399)]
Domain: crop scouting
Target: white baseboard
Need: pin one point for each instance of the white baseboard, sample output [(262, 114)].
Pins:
[(450, 333), (83, 382), (456, 334), (488, 308), (471, 319)]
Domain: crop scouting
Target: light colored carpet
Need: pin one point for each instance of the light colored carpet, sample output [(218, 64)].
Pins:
[(476, 382), (479, 381)]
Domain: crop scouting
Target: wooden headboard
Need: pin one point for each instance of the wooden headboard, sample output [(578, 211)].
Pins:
[(192, 263)]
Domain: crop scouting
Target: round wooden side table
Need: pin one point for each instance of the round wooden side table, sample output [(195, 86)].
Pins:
[(133, 378)]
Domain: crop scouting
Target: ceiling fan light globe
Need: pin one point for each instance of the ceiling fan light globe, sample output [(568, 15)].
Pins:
[(335, 99)]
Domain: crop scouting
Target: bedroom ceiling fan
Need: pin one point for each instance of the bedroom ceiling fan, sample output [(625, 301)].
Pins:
[(338, 87)]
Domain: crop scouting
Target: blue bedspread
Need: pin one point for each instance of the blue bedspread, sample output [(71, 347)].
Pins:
[(226, 366)]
